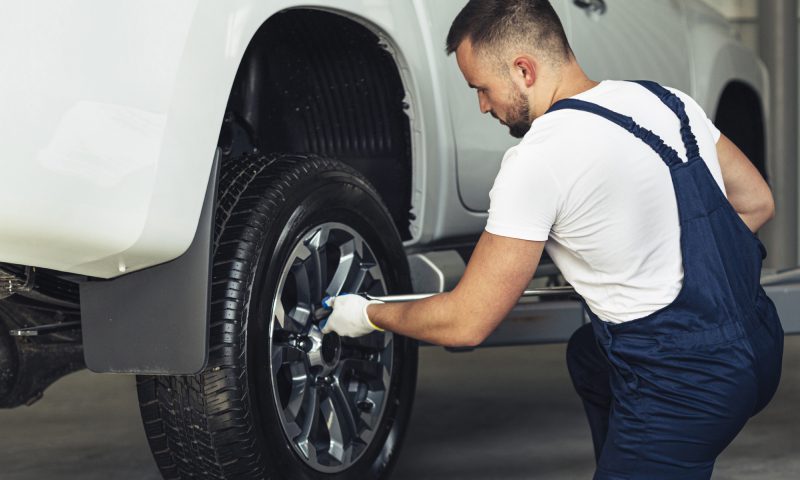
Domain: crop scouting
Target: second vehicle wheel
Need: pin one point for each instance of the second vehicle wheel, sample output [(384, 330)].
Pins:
[(280, 400)]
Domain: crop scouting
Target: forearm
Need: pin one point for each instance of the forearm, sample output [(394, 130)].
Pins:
[(747, 190), (434, 320), (498, 271), (757, 219)]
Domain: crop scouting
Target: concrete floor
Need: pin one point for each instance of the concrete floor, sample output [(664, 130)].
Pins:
[(503, 413)]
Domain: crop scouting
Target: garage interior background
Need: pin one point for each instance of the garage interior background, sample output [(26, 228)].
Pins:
[(743, 14), (778, 48)]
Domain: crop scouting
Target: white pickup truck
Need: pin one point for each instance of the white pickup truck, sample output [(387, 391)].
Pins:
[(184, 182)]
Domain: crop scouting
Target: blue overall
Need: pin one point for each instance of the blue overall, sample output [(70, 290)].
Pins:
[(666, 393)]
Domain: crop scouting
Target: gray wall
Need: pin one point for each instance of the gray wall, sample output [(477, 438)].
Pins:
[(744, 15)]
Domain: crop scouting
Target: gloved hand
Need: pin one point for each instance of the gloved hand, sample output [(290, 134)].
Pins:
[(349, 317)]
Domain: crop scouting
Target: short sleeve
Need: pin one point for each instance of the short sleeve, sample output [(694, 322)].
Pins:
[(523, 202)]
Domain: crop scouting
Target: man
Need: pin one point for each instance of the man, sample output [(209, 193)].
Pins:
[(626, 182)]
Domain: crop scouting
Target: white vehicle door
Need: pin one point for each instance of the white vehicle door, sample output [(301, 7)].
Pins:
[(632, 40), (480, 140)]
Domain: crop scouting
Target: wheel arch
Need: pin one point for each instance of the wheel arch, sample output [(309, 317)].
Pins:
[(109, 348), (731, 84), (330, 83), (740, 116)]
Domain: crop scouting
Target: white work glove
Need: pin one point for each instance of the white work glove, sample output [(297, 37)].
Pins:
[(349, 316)]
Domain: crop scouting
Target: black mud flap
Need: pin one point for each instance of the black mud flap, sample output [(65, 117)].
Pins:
[(154, 321)]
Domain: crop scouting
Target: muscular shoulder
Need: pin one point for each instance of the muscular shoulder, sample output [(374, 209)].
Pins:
[(555, 135), (563, 140)]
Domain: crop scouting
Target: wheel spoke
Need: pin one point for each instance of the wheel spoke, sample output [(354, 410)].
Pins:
[(284, 354), (277, 358), (300, 387), (299, 316), (376, 275), (372, 373), (302, 281), (348, 259), (341, 424), (279, 313), (311, 414), (344, 410), (357, 281), (316, 265)]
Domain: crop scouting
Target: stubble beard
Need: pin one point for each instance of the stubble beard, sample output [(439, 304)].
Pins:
[(520, 118)]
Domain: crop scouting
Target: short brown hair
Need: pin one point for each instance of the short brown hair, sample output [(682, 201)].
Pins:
[(501, 23)]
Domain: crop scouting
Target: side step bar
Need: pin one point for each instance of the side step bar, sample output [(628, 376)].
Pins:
[(531, 321), (540, 292)]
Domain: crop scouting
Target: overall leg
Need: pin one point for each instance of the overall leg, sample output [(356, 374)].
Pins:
[(689, 400), (589, 371)]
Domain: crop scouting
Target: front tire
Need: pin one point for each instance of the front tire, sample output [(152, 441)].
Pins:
[(279, 400)]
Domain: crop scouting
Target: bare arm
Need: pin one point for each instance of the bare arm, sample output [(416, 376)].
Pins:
[(498, 272), (747, 191)]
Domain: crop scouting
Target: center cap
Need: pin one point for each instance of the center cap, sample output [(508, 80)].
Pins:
[(325, 351)]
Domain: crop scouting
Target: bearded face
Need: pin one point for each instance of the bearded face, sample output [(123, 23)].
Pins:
[(518, 116), (497, 92)]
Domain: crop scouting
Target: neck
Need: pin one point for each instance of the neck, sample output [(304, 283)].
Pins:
[(568, 81)]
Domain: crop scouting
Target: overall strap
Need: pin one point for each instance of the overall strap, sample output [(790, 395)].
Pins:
[(667, 153), (679, 108)]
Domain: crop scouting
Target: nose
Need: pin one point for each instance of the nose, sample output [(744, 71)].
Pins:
[(483, 103)]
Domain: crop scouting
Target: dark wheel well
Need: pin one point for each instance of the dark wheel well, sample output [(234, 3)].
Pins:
[(740, 117), (316, 82)]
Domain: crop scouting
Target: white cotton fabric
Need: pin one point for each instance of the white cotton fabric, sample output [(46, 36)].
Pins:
[(349, 316), (603, 199)]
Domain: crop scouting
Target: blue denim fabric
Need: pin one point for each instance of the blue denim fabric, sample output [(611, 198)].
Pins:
[(678, 385)]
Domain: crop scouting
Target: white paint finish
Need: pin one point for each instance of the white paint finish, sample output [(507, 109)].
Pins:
[(446, 214), (111, 117), (480, 139), (634, 39), (721, 58), (85, 106)]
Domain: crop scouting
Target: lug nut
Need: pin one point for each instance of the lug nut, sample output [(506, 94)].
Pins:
[(284, 336), (365, 406), (305, 344), (325, 381)]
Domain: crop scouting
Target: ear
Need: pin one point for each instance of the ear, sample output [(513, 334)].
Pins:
[(524, 72)]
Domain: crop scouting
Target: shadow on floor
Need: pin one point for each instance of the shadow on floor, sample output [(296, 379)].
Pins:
[(503, 413)]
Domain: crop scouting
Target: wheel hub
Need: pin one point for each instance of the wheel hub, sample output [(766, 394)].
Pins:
[(324, 351)]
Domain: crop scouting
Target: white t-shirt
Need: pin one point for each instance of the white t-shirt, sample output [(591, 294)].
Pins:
[(603, 198)]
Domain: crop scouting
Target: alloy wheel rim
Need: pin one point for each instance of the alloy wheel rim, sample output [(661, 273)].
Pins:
[(330, 392)]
